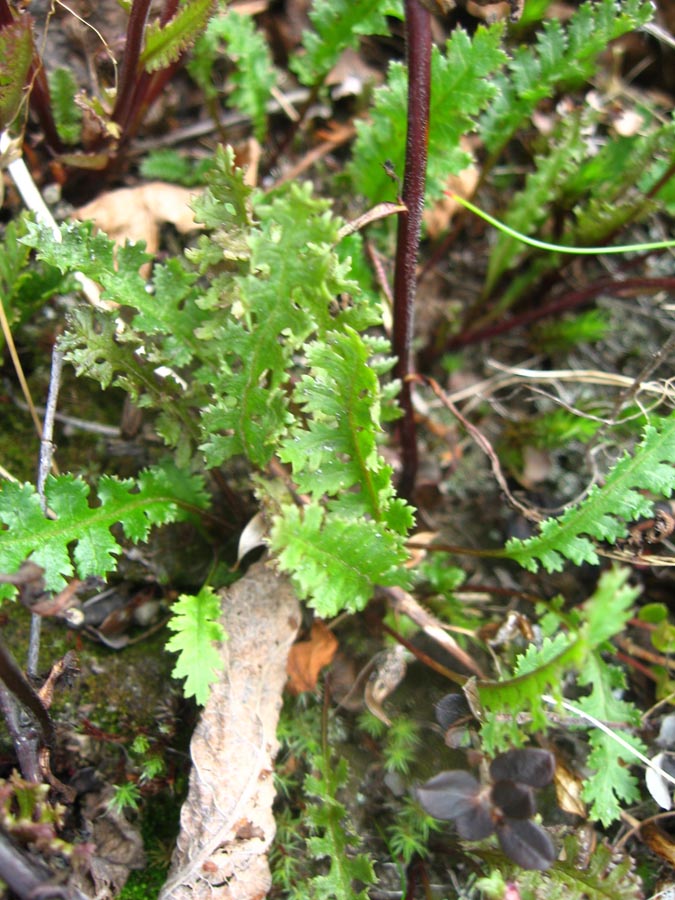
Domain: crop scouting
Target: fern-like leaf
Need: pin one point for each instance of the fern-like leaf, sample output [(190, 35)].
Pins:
[(335, 561), (67, 114), (338, 24), (24, 288), (160, 495), (603, 514), (460, 89), (286, 297), (254, 75), (612, 784), (542, 670), (197, 629), (334, 841), (336, 454), (530, 207), (562, 56), (164, 44)]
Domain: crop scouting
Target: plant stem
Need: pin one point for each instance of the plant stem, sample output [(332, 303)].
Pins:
[(149, 86), (132, 53), (418, 38)]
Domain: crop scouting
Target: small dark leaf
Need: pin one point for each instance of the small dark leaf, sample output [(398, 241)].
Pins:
[(477, 822), (526, 844), (449, 795), (450, 709), (514, 800), (529, 766)]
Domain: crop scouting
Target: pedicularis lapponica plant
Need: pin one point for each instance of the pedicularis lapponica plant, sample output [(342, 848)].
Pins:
[(264, 340)]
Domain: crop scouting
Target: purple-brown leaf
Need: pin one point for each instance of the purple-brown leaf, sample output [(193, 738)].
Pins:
[(449, 795), (513, 799), (526, 844), (528, 765)]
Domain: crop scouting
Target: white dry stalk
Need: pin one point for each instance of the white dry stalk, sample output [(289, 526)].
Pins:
[(516, 375), (650, 764)]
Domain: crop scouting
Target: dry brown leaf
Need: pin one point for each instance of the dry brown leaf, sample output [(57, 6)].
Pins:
[(658, 842), (118, 843), (226, 822), (439, 218), (136, 213), (568, 790), (307, 658)]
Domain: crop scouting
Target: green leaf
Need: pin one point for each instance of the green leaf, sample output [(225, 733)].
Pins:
[(169, 165), (539, 672), (335, 840), (67, 114), (460, 89), (604, 512), (531, 207), (284, 297), (336, 453), (611, 784), (561, 57), (195, 621), (610, 607), (25, 287), (164, 44), (160, 495), (253, 77), (338, 24), (334, 561), (16, 56)]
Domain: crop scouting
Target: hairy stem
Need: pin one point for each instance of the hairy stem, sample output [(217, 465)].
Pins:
[(418, 34), (132, 53)]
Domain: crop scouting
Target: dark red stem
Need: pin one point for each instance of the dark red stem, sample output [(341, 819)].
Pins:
[(568, 301), (418, 39), (129, 73), (148, 86)]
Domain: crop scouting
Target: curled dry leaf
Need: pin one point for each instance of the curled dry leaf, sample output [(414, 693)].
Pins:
[(137, 213), (308, 658), (568, 790), (226, 822)]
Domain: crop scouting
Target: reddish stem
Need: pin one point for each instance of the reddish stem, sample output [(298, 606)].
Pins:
[(418, 39), (130, 63), (567, 302)]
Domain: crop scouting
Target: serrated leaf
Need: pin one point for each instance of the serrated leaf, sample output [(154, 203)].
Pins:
[(160, 495), (562, 56), (67, 114), (612, 784), (253, 77), (338, 24), (285, 297), (337, 450), (530, 207), (197, 630), (539, 672), (335, 840), (609, 608), (16, 56), (335, 562), (460, 89), (165, 43), (604, 512)]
